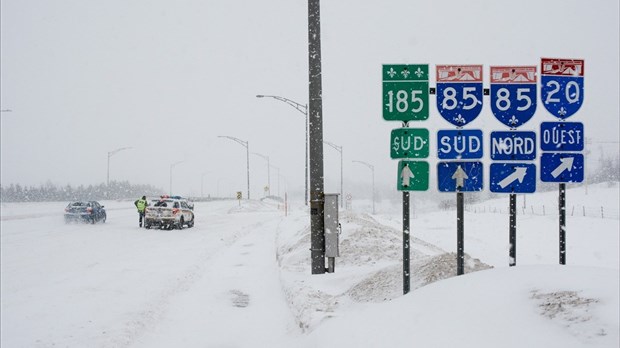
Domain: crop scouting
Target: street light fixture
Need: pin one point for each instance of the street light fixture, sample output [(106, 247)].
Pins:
[(245, 144), (172, 166), (339, 149), (268, 172), (372, 168), (304, 110), (110, 154)]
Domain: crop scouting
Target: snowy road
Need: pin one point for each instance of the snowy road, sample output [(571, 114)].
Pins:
[(114, 284)]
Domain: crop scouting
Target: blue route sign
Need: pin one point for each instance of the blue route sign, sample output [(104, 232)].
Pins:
[(513, 94), (561, 167), (459, 144), (562, 86), (465, 175), (513, 177), (561, 136), (513, 146), (459, 93)]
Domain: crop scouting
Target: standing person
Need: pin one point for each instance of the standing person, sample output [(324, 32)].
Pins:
[(141, 205)]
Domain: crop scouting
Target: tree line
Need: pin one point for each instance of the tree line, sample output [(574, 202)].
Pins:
[(52, 193)]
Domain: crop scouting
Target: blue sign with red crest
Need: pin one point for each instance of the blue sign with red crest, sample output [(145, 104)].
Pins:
[(459, 93), (513, 94), (562, 86)]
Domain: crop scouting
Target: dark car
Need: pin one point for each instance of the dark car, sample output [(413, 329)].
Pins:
[(90, 212)]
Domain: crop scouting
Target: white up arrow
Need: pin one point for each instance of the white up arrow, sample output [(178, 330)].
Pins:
[(567, 163), (518, 174), (406, 175), (460, 177)]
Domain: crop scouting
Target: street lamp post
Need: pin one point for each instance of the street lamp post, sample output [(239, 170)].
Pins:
[(304, 110), (372, 168), (339, 149), (268, 172), (245, 144), (172, 166), (110, 154)]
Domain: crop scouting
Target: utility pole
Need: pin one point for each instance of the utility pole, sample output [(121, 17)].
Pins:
[(317, 199)]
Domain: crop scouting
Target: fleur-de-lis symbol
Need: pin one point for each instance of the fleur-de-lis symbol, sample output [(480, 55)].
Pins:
[(392, 72), (513, 121), (460, 119), (562, 111), (405, 73), (419, 72)]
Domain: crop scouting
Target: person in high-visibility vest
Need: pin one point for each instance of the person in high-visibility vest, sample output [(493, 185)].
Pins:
[(141, 204)]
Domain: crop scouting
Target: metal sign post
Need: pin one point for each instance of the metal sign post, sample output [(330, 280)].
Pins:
[(459, 101), (562, 94), (513, 103), (406, 98)]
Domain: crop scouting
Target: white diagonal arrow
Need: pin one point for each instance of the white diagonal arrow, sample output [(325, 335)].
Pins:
[(518, 174), (567, 163), (460, 177), (406, 175)]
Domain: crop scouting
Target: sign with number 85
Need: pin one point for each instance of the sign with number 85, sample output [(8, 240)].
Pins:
[(405, 92)]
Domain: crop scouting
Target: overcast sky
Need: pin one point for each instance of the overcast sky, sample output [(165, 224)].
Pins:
[(84, 78)]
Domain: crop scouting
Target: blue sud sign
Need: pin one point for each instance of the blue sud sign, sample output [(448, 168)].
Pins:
[(562, 86), (459, 93), (459, 144), (513, 94)]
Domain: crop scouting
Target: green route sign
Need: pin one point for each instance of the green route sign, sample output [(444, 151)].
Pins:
[(405, 92), (409, 143), (412, 176)]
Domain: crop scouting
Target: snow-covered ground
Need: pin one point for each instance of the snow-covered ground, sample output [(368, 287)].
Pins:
[(241, 278)]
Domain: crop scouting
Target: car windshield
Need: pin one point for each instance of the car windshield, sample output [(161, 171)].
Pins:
[(78, 204)]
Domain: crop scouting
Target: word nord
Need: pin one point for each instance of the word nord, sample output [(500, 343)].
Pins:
[(506, 146)]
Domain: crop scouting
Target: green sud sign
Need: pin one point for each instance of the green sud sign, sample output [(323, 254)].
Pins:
[(405, 92), (409, 143), (412, 176)]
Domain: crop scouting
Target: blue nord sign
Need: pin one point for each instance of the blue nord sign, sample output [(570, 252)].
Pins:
[(562, 85), (513, 94), (561, 136), (459, 93), (459, 144), (513, 146)]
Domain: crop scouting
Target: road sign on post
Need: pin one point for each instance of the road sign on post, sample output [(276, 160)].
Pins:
[(562, 85), (405, 92), (459, 93), (513, 94), (459, 176), (561, 167), (409, 143), (513, 146), (513, 177), (459, 144), (412, 176), (561, 136)]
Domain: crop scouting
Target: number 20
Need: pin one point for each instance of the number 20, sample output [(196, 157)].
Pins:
[(556, 88)]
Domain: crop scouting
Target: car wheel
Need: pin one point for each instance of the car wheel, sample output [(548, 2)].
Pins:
[(147, 226), (181, 222), (104, 218), (191, 223)]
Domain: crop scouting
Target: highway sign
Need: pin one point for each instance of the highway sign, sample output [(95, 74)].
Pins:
[(405, 92), (513, 178), (513, 94), (513, 146), (412, 176), (467, 176), (459, 144), (561, 85), (409, 143), (459, 93), (561, 136), (561, 167)]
